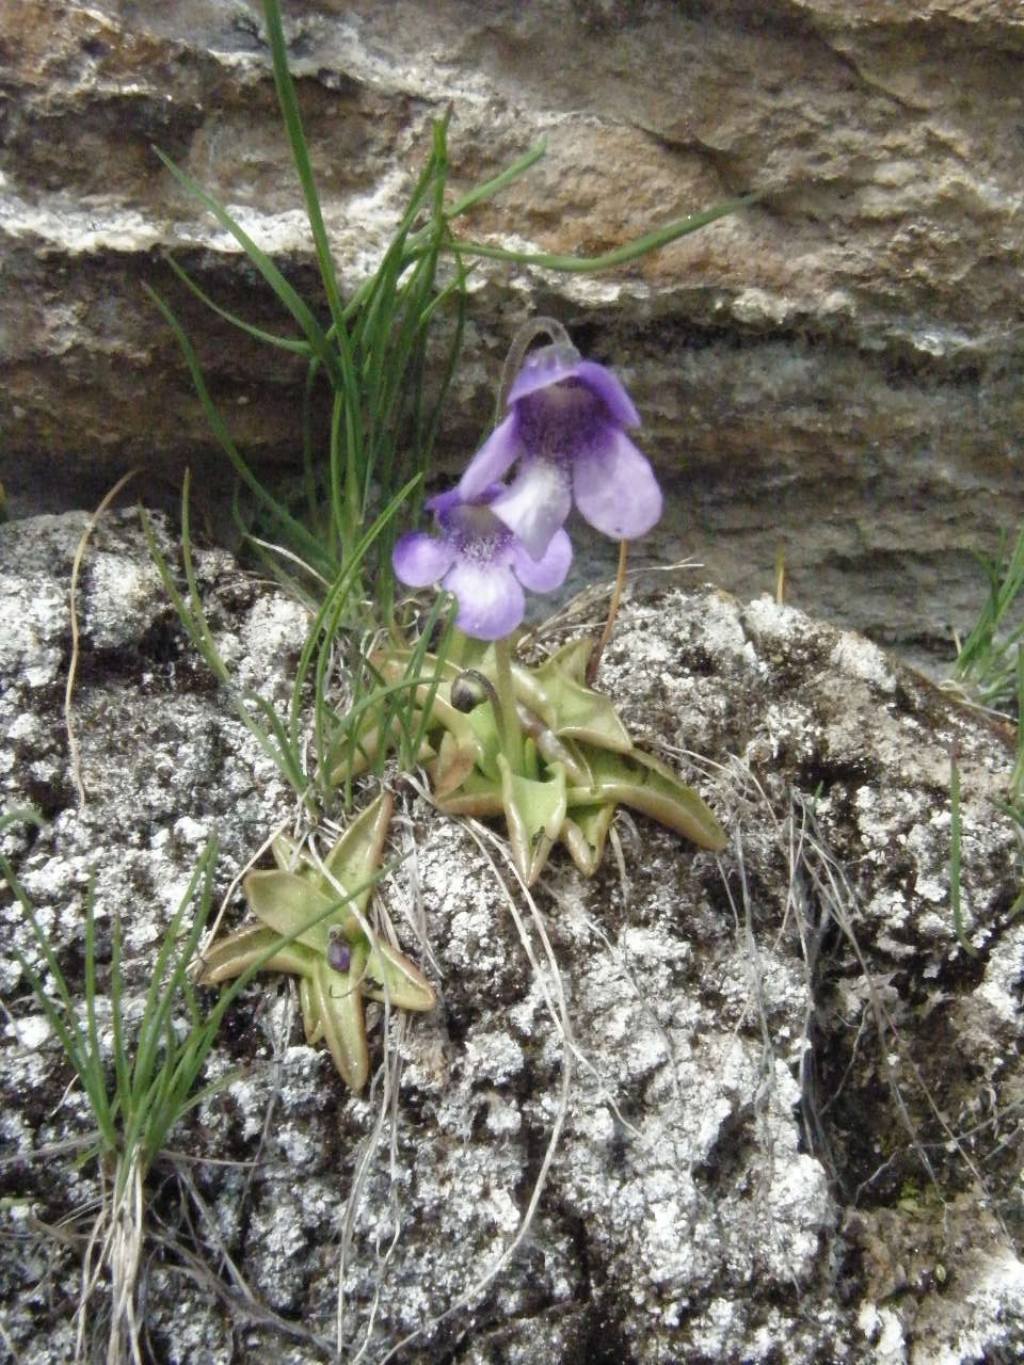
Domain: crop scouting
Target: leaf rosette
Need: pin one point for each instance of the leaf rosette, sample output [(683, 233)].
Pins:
[(313, 924), (576, 765)]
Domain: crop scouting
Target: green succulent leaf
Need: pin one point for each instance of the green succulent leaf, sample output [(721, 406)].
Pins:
[(452, 766), (647, 785), (232, 956), (296, 898), (289, 857), (312, 1024), (308, 902), (473, 653), (534, 812), (338, 1000), (401, 982), (291, 903), (356, 856), (552, 749), (584, 834), (484, 727), (351, 755), (571, 660), (576, 756), (286, 853), (470, 741), (571, 709), (478, 796)]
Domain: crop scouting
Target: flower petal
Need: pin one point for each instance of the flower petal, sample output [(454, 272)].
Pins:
[(541, 575), (615, 488), (546, 366), (608, 387), (443, 504), (491, 602), (535, 504), (419, 559), (492, 460)]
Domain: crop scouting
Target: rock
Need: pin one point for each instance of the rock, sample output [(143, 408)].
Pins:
[(748, 1107), (835, 371)]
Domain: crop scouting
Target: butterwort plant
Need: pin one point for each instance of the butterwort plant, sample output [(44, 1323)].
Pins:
[(314, 923), (539, 746)]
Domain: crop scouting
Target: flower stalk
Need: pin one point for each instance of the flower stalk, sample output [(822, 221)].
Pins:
[(506, 714), (613, 610)]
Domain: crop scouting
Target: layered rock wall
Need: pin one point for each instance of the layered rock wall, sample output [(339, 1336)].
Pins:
[(835, 372)]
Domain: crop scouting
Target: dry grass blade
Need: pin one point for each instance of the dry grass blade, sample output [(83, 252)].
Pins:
[(69, 689), (204, 1246)]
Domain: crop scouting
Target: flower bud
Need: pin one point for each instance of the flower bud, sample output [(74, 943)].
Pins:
[(339, 955), (469, 691)]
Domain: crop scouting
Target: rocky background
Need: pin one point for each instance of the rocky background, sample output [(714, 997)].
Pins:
[(835, 372), (789, 1124)]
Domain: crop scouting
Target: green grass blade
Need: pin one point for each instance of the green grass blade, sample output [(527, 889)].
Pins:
[(195, 601), (122, 1065), (1017, 776), (292, 344), (336, 605), (432, 425), (220, 431), (290, 299), (195, 625), (159, 1000), (447, 606), (80, 1046), (94, 1054), (300, 155), (318, 523), (954, 855), (337, 475), (609, 260), (280, 752), (20, 815), (328, 618), (986, 660), (492, 187), (192, 617)]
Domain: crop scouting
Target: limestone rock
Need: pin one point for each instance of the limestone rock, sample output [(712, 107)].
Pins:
[(770, 1100), (835, 371)]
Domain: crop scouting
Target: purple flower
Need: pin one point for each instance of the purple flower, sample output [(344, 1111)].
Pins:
[(566, 428), (478, 559)]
